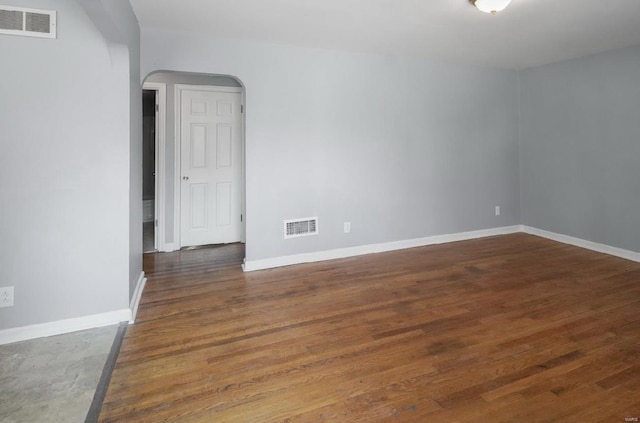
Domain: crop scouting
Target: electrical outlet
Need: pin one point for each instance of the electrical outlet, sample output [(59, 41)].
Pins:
[(347, 227), (6, 296), (497, 210)]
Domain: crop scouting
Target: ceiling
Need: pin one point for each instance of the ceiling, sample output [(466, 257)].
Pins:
[(528, 33)]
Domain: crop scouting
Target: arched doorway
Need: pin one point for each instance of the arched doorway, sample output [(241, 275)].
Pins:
[(165, 182)]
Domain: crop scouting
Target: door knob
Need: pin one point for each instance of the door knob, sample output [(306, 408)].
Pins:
[(185, 178)]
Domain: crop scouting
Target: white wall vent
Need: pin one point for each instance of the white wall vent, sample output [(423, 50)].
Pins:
[(27, 22), (300, 227)]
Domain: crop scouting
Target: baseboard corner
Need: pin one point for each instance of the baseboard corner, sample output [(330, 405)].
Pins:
[(582, 243), (137, 295)]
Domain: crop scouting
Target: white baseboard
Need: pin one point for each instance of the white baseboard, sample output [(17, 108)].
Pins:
[(168, 248), (59, 327), (589, 245), (8, 336), (251, 265), (137, 294)]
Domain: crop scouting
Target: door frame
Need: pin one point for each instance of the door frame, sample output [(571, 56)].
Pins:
[(160, 164), (177, 165)]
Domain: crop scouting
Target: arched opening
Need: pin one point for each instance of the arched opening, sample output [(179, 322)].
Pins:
[(193, 160)]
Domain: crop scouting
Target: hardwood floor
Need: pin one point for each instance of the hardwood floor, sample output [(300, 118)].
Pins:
[(501, 329)]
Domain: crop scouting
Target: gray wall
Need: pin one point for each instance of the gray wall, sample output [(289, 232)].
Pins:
[(119, 26), (580, 148), (127, 22), (64, 172), (402, 149), (171, 79)]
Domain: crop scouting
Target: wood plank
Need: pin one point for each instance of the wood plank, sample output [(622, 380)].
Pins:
[(498, 329)]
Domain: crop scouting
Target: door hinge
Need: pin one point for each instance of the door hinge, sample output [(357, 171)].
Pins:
[(156, 223), (240, 218), (157, 108), (242, 108)]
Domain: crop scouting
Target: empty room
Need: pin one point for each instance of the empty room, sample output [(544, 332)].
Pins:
[(322, 211)]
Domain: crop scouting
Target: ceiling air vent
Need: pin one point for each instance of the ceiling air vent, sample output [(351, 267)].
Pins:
[(300, 227), (27, 22)]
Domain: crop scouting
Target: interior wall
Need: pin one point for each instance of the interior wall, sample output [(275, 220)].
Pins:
[(119, 26), (580, 147), (402, 149), (171, 79), (127, 22), (64, 172)]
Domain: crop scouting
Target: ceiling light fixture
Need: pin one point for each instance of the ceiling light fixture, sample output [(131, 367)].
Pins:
[(491, 6)]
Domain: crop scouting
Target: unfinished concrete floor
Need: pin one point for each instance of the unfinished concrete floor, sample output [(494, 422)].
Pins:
[(52, 379)]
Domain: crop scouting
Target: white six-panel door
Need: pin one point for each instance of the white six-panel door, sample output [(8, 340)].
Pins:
[(211, 167)]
